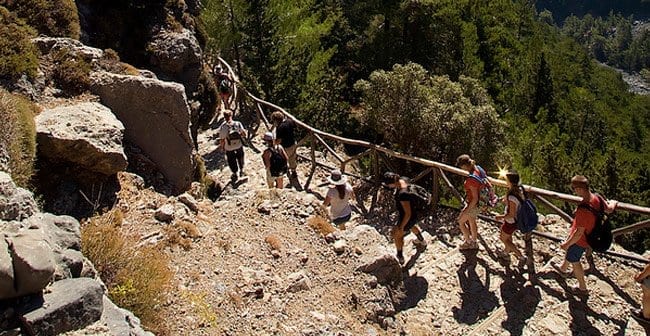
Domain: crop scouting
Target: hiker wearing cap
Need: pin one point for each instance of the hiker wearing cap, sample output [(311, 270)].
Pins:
[(275, 161), (223, 81), (338, 197), (285, 135), (643, 315), (408, 215), (509, 217), (583, 223), (467, 217), (231, 134)]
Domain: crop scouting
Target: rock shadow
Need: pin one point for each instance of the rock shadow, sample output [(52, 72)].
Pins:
[(477, 299), (412, 290)]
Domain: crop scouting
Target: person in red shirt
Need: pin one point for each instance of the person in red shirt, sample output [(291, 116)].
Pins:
[(467, 217), (583, 222)]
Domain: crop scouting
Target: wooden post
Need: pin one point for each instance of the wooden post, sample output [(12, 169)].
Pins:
[(530, 256), (435, 189), (313, 161), (375, 168)]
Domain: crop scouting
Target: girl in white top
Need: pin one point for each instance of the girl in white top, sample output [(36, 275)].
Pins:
[(338, 196), (512, 200)]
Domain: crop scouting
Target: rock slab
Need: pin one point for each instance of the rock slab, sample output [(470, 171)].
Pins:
[(86, 134), (71, 304)]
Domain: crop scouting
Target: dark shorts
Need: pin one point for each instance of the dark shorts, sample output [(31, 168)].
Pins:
[(342, 220), (508, 228), (574, 253)]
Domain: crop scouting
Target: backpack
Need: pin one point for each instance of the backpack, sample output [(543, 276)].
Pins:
[(600, 238), (233, 133), (278, 163), (224, 85), (421, 199), (527, 218), (486, 195)]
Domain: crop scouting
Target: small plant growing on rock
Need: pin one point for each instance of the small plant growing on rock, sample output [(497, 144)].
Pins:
[(72, 73), (137, 277), (18, 56)]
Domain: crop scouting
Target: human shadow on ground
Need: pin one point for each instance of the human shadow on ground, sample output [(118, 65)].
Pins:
[(520, 302), (477, 299), (412, 290)]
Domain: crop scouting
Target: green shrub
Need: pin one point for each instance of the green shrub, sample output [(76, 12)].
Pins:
[(18, 55), (18, 135), (72, 73), (137, 278), (58, 18)]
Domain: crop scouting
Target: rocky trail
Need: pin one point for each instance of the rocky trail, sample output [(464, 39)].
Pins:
[(258, 262)]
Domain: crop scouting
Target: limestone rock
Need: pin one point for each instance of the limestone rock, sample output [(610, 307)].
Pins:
[(165, 213), (71, 304), (69, 264), (298, 282), (175, 52), (47, 45), (86, 134), (189, 201), (156, 118), (6, 270), (33, 261), (385, 268), (15, 203), (340, 246)]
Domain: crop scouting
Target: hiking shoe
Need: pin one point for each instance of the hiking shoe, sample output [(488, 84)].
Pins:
[(577, 291), (420, 244), (233, 177), (293, 174), (558, 270), (465, 246), (241, 173)]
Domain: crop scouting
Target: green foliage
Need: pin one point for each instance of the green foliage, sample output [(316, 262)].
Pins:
[(71, 72), (430, 116), (18, 55), (58, 18), (18, 135)]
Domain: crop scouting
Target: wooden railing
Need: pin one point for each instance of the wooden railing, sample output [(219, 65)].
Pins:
[(381, 156)]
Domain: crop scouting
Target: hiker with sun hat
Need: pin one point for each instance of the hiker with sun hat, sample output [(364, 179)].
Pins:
[(338, 197)]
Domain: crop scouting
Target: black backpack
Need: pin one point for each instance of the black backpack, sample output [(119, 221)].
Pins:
[(224, 85), (600, 238), (233, 133), (420, 198), (278, 162)]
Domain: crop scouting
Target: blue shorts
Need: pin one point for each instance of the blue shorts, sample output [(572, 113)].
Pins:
[(574, 253)]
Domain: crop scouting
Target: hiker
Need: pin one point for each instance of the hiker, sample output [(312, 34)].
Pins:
[(513, 200), (338, 196), (223, 81), (231, 134), (467, 217), (583, 223), (275, 161), (285, 135), (643, 315), (407, 214)]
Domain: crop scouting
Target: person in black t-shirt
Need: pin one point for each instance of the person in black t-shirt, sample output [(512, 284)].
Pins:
[(407, 214), (284, 135)]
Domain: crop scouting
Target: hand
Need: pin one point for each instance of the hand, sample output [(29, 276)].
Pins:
[(564, 246)]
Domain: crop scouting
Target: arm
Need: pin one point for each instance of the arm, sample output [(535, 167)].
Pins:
[(266, 157), (222, 144), (512, 214), (643, 274), (573, 238), (327, 201), (474, 202)]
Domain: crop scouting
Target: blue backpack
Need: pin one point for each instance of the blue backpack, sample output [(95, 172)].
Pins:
[(526, 214), (486, 196)]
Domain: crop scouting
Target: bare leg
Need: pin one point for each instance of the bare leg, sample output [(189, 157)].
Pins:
[(462, 224), (509, 244), (473, 229), (646, 302), (579, 273), (279, 182), (398, 237)]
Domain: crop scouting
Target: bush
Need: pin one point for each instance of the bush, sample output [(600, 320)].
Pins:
[(72, 73), (57, 18), (18, 135), (18, 55), (137, 278)]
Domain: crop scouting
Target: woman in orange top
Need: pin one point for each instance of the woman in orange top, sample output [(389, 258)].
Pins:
[(467, 217)]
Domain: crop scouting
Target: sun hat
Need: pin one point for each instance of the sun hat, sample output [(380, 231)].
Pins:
[(337, 178), (268, 136)]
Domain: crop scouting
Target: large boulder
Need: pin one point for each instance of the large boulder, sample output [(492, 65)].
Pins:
[(33, 262), (175, 52), (6, 271), (86, 134), (70, 304), (121, 322), (157, 119), (15, 203)]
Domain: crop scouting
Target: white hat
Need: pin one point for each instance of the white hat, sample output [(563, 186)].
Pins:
[(336, 178), (268, 136)]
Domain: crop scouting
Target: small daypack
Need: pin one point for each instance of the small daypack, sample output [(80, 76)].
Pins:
[(527, 218), (486, 196), (224, 85), (233, 133), (600, 238), (278, 163), (421, 198)]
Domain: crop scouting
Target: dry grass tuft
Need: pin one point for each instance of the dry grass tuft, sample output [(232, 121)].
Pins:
[(137, 278), (320, 225), (18, 136), (173, 237), (274, 242)]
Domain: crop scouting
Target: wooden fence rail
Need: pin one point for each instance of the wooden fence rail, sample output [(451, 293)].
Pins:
[(379, 155)]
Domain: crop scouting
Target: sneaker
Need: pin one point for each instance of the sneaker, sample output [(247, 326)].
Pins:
[(465, 246), (400, 259), (563, 274), (233, 177), (241, 173), (522, 262), (577, 291), (294, 174)]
